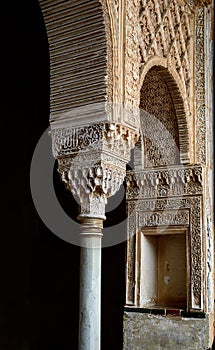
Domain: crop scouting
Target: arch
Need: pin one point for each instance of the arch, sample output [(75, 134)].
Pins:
[(170, 76), (80, 48)]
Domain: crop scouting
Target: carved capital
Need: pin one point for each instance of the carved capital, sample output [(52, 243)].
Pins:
[(92, 179), (92, 162)]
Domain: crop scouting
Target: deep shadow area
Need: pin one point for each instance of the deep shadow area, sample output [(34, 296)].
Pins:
[(40, 272)]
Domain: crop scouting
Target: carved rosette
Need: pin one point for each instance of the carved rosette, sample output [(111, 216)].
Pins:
[(92, 162)]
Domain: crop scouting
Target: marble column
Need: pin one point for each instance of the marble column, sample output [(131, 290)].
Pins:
[(90, 284)]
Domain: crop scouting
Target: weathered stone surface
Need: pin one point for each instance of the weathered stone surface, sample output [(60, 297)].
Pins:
[(155, 332)]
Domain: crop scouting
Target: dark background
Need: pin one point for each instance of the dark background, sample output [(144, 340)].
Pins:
[(39, 277)]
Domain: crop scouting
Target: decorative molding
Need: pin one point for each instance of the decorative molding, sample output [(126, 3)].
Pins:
[(200, 86), (131, 63), (164, 182), (194, 205)]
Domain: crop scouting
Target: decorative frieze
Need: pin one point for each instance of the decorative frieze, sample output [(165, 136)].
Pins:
[(164, 218), (164, 182), (112, 138)]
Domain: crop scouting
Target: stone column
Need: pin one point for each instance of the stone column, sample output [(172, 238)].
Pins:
[(92, 163), (90, 283)]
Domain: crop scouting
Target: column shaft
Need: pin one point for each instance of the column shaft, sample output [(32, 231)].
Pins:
[(90, 288)]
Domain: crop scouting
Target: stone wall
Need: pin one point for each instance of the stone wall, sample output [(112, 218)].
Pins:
[(155, 332)]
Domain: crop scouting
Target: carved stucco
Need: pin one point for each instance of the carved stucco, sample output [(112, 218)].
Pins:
[(172, 35), (165, 36), (131, 62), (158, 122), (136, 36), (88, 62), (164, 218), (92, 162), (167, 182), (163, 197), (200, 86)]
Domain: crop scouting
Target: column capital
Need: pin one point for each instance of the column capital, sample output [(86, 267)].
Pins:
[(92, 162)]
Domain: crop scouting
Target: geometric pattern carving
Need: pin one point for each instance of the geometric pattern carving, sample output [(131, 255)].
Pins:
[(165, 31), (158, 122)]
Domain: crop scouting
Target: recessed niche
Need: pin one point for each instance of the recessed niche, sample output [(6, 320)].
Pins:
[(163, 270)]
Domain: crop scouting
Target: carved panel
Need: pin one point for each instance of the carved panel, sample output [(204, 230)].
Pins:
[(164, 218), (165, 31), (200, 86), (112, 138), (131, 63), (158, 122)]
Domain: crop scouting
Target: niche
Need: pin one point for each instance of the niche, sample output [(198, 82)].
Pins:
[(163, 270)]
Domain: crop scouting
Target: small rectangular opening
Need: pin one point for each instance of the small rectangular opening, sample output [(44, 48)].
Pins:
[(163, 275)]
